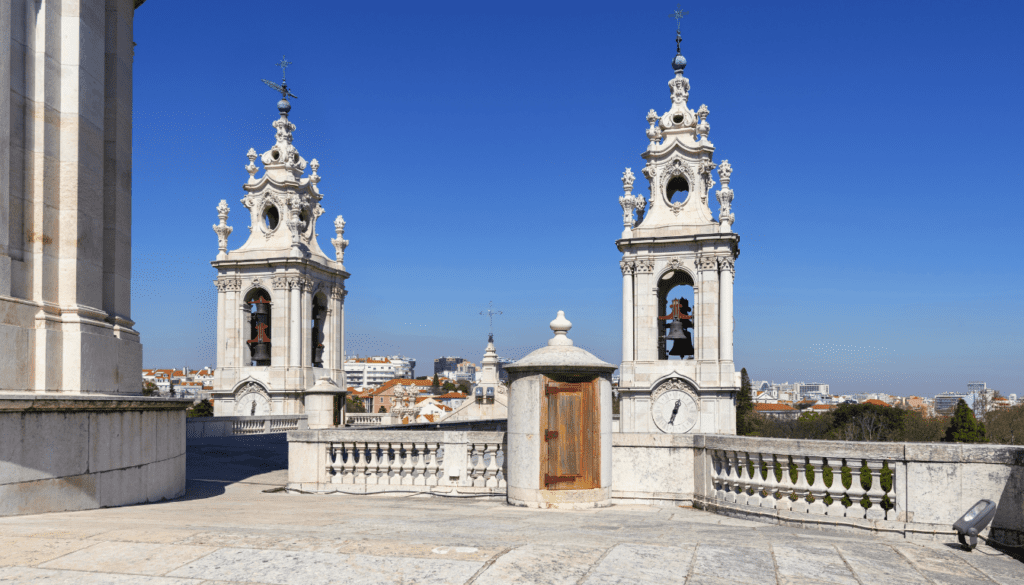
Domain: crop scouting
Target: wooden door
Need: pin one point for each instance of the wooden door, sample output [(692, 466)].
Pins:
[(570, 423)]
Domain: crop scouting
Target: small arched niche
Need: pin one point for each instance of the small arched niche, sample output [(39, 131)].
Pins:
[(319, 317), (258, 328), (677, 188), (271, 217), (675, 285)]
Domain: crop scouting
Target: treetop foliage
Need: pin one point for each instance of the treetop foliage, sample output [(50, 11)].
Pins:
[(964, 427)]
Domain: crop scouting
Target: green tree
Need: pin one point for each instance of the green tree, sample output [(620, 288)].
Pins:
[(964, 428), (1006, 425), (464, 386), (149, 388), (383, 408), (203, 408), (435, 386), (354, 404), (744, 404), (448, 387)]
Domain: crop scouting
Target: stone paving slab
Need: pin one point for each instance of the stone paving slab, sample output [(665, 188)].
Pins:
[(228, 531)]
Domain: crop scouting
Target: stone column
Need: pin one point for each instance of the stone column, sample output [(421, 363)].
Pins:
[(221, 314), (627, 309), (305, 328), (337, 343), (295, 323), (707, 309), (645, 301), (5, 148), (725, 325)]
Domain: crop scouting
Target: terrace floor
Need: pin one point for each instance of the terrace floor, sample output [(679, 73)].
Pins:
[(228, 529)]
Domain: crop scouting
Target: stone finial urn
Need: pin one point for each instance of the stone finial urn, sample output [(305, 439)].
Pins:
[(325, 404), (560, 426)]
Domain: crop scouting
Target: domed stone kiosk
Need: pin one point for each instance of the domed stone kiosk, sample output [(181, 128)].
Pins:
[(560, 426)]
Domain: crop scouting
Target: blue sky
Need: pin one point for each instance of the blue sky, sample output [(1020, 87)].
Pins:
[(475, 152)]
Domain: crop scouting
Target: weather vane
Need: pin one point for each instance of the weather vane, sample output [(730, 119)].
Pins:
[(490, 312), (678, 15), (283, 88)]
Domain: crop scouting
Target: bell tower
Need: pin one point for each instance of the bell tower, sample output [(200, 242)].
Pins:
[(280, 299), (677, 373)]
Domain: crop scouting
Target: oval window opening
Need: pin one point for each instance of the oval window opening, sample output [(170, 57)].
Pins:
[(677, 185), (270, 217)]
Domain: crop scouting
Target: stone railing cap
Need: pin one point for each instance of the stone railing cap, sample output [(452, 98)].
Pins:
[(79, 402)]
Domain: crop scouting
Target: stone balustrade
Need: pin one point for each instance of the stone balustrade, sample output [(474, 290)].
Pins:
[(367, 419), (367, 461), (912, 489), (226, 426)]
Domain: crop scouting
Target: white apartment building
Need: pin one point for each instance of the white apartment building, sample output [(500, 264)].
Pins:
[(371, 372)]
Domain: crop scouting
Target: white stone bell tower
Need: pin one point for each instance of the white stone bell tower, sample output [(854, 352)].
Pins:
[(677, 372), (280, 301)]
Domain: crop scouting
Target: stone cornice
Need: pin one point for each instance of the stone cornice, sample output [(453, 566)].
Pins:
[(278, 263), (663, 240), (87, 402)]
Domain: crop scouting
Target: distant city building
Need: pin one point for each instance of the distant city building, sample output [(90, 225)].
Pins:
[(945, 403), (782, 411), (447, 364), (371, 372), (455, 368)]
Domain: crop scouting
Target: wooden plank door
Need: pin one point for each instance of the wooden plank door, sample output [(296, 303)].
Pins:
[(570, 422)]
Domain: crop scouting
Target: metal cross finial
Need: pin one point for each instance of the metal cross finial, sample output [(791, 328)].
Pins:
[(490, 312), (284, 66), (283, 88), (678, 15)]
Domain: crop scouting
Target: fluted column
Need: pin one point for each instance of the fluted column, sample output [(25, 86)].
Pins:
[(725, 326), (646, 312), (707, 309), (221, 315), (295, 323), (306, 328), (627, 309)]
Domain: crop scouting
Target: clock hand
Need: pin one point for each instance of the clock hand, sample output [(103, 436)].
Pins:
[(675, 411)]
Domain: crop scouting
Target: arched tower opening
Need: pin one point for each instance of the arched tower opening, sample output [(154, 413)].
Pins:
[(319, 314), (678, 185), (259, 327), (675, 315)]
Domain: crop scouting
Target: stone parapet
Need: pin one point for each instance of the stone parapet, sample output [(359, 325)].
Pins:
[(65, 452)]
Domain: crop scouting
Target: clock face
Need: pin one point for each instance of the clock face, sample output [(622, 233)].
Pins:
[(674, 411)]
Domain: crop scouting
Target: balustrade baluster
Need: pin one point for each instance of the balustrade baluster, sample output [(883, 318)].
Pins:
[(836, 491), (786, 485), (742, 477), (856, 491), (372, 467), (394, 472), (734, 476), (800, 488), (817, 487), (384, 464), (359, 471), (875, 493), (348, 470), (717, 474), (335, 455), (756, 481), (503, 467), (432, 466), (491, 473), (407, 464), (420, 465), (771, 485), (478, 468)]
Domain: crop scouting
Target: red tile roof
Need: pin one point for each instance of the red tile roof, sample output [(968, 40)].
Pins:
[(778, 407), (877, 402)]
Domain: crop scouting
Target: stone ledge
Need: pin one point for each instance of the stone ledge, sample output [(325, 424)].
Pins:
[(10, 403), (396, 436), (653, 440)]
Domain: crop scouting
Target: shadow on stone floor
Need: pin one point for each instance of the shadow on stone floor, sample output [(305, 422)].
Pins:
[(214, 463)]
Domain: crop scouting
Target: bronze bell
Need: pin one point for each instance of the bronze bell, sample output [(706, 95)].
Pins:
[(682, 345), (261, 353)]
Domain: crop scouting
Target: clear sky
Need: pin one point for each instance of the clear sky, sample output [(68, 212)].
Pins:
[(475, 151)]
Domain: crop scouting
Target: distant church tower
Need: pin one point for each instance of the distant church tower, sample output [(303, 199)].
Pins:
[(280, 300), (677, 373)]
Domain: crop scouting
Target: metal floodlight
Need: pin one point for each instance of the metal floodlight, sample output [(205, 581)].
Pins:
[(490, 392), (973, 522), (479, 392)]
